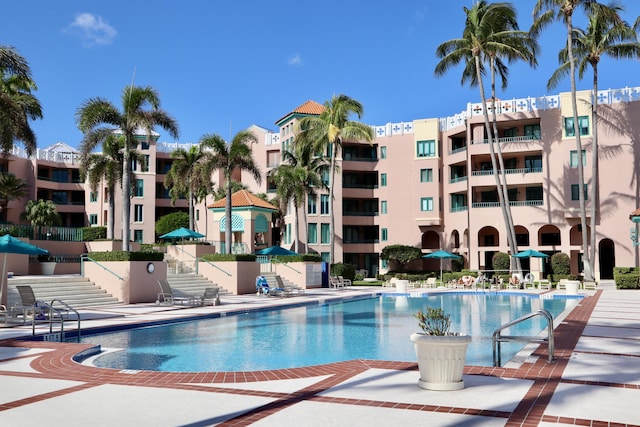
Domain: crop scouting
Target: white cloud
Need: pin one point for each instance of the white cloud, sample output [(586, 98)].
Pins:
[(91, 29), (295, 60)]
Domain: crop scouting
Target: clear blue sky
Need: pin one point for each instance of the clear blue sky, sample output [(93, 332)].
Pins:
[(221, 66)]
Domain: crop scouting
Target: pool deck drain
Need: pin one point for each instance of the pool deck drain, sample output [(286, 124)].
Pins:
[(597, 351)]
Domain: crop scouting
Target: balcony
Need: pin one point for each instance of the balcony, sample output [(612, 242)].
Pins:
[(457, 179), (514, 203), (459, 209), (509, 139), (519, 171)]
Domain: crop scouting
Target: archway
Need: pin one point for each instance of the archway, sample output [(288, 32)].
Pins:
[(549, 235), (455, 239), (430, 240), (606, 258), (575, 235), (488, 236), (522, 235)]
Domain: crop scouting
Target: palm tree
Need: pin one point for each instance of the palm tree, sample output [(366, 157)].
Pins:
[(11, 188), (141, 112), (17, 104), (545, 12), (491, 33), (41, 213), (189, 175), (229, 158), (603, 36), (326, 133)]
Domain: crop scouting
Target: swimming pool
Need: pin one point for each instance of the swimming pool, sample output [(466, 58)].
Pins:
[(373, 328)]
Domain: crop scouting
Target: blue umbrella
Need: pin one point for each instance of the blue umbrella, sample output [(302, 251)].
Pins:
[(275, 250), (182, 233), (440, 254), (11, 245)]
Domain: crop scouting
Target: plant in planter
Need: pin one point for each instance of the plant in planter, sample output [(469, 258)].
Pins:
[(441, 354)]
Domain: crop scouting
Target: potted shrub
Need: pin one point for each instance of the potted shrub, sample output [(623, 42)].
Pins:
[(441, 354)]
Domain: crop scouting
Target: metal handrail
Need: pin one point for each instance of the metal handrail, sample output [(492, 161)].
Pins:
[(68, 308), (85, 257), (497, 338), (212, 265), (276, 260), (59, 316)]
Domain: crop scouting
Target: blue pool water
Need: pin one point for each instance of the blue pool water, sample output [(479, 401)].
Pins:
[(373, 328)]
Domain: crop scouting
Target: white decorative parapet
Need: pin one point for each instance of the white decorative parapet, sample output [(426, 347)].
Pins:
[(272, 138), (393, 129), (170, 147)]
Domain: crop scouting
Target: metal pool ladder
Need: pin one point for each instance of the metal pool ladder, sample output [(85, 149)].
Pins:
[(498, 338)]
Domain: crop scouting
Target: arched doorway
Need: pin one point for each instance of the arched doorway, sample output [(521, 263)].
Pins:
[(430, 240), (606, 258)]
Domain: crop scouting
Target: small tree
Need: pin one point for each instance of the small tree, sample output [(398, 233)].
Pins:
[(172, 221), (501, 261), (41, 213), (560, 263), (401, 254)]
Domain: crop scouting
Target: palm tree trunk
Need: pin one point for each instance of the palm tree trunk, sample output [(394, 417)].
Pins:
[(126, 194), (574, 104), (191, 210), (487, 126), (511, 231), (297, 240), (332, 223), (595, 181), (227, 214), (112, 211)]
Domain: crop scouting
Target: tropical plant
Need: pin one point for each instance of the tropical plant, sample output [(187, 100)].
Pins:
[(190, 175), (401, 254), (220, 192), (141, 112), (229, 158), (434, 321), (560, 263), (501, 261), (605, 35), (17, 103), (41, 213), (326, 133), (545, 12), (11, 188), (490, 34), (167, 223)]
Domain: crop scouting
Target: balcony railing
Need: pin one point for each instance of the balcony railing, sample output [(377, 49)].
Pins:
[(361, 241), (359, 159), (514, 203), (524, 138), (457, 179), (361, 186), (359, 213), (459, 209), (458, 150), (507, 171)]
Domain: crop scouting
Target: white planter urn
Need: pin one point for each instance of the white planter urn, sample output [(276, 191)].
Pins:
[(441, 360), (401, 286), (572, 287)]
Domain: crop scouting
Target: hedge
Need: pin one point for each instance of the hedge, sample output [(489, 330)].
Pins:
[(126, 256)]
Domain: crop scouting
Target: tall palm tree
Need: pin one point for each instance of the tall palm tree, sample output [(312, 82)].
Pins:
[(41, 213), (189, 175), (17, 103), (229, 158), (107, 167), (327, 132), (490, 33), (141, 112), (545, 12), (11, 188), (603, 36)]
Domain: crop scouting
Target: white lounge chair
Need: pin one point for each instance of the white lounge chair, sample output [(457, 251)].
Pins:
[(529, 281), (345, 282), (589, 285), (544, 284), (211, 296), (429, 283), (166, 296), (561, 284), (335, 283)]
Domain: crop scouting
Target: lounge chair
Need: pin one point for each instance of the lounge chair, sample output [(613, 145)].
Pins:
[(211, 296), (529, 281), (514, 282), (167, 296), (544, 284), (335, 283), (561, 284), (262, 286), (288, 289), (29, 304), (345, 282), (4, 314), (429, 283), (589, 285)]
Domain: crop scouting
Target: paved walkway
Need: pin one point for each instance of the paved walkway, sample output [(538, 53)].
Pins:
[(594, 381)]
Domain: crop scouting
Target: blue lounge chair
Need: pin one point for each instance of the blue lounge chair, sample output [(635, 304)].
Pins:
[(262, 286)]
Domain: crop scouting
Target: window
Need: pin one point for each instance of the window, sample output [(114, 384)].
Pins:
[(93, 219), (137, 213), (139, 188), (384, 263), (325, 256), (583, 125), (325, 176), (383, 152), (574, 192), (324, 204), (197, 214), (532, 131), (510, 133), (573, 158), (324, 234), (312, 233), (93, 196), (287, 234), (385, 234), (273, 159), (533, 163), (426, 148), (426, 204), (312, 207), (534, 193), (137, 236), (383, 207), (383, 179), (426, 175), (59, 197)]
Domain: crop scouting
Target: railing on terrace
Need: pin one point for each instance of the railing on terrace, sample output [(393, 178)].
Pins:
[(459, 209), (359, 213), (236, 248), (64, 234), (457, 179), (360, 241), (361, 186), (458, 150), (359, 159), (514, 203), (508, 139), (507, 171)]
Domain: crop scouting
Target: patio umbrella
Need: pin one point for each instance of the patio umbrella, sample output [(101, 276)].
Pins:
[(530, 253), (440, 254), (182, 233), (11, 245), (275, 250)]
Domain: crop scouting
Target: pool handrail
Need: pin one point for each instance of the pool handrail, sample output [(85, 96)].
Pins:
[(212, 265), (86, 257), (498, 338)]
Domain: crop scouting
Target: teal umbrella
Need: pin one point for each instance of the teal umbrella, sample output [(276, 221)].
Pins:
[(530, 253), (182, 233), (11, 245), (440, 254), (275, 250)]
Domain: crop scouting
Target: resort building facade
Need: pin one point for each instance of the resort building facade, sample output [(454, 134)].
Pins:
[(428, 183)]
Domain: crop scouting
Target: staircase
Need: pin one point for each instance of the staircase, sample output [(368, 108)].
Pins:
[(191, 284), (77, 291), (276, 281)]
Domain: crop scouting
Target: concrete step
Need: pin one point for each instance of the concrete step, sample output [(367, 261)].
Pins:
[(191, 284)]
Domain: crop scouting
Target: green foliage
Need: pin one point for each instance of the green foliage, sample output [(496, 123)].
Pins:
[(229, 257), (90, 234), (501, 261), (297, 258), (42, 213), (348, 271), (172, 221), (434, 321), (126, 256), (457, 264), (626, 277), (560, 263), (402, 254)]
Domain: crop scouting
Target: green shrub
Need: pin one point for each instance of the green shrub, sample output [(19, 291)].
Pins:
[(126, 256), (560, 263), (457, 264), (90, 234), (501, 261), (348, 271), (401, 254), (172, 221), (230, 257), (297, 258)]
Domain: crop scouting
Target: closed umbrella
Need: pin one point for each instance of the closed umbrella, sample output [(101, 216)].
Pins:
[(11, 245), (440, 254)]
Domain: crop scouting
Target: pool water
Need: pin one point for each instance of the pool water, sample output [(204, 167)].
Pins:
[(373, 328)]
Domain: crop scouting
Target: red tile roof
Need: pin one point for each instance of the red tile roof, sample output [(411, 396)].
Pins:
[(635, 213), (243, 198), (308, 108)]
